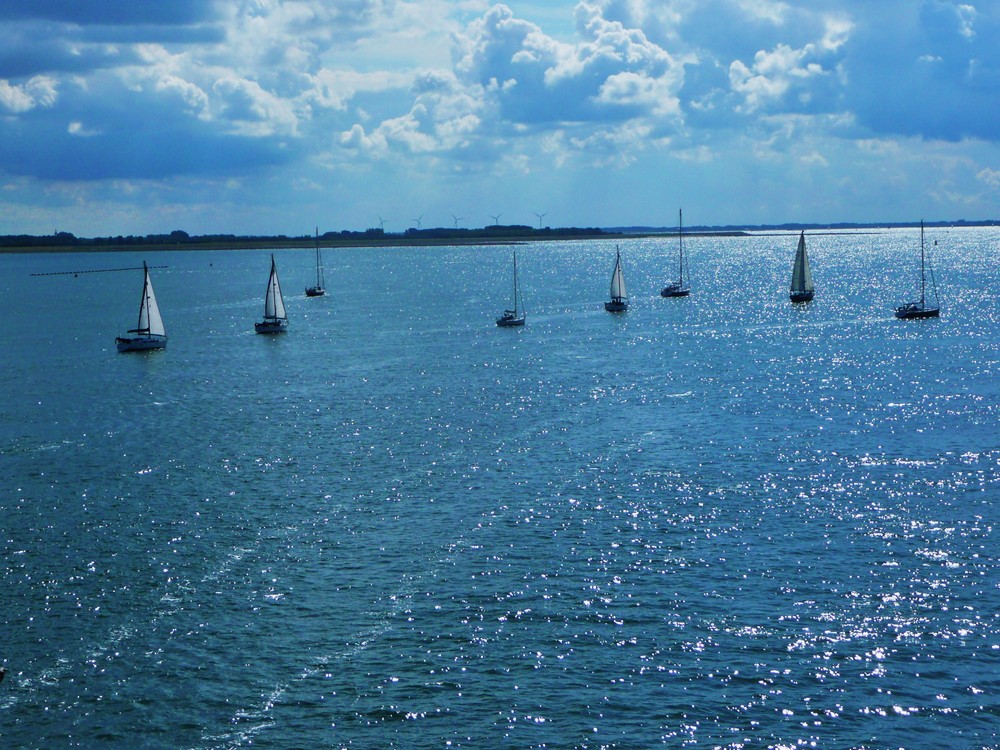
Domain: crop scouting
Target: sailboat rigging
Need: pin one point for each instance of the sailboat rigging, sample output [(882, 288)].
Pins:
[(149, 331), (619, 300), (679, 288), (802, 289), (320, 289), (275, 318), (922, 309), (515, 317)]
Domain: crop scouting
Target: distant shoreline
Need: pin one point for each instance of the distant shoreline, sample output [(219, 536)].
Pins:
[(489, 236), (329, 242)]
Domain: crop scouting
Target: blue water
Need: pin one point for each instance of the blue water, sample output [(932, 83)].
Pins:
[(719, 521)]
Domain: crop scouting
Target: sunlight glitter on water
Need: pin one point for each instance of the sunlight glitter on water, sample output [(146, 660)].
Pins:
[(715, 525)]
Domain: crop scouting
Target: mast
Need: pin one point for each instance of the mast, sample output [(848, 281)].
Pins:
[(515, 283), (319, 263), (922, 280), (680, 240), (274, 305), (617, 278), (801, 275), (150, 323), (143, 325)]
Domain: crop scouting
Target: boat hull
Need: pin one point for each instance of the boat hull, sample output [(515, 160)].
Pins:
[(271, 326), (510, 321), (916, 312), (315, 291), (616, 306), (675, 290), (801, 296), (140, 343)]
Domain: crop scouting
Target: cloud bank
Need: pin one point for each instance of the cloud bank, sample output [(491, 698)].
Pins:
[(269, 111)]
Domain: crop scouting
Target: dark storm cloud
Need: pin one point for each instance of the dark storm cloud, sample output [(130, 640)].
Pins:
[(126, 134), (109, 12)]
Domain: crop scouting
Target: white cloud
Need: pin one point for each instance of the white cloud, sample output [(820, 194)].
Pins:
[(966, 20), (193, 98), (773, 74), (767, 10), (436, 88), (654, 95), (989, 177), (254, 111), (40, 91), (814, 158), (77, 128)]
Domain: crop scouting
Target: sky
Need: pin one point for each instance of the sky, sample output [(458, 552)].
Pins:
[(280, 116)]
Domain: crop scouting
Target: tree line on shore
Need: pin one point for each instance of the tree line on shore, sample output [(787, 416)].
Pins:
[(180, 238)]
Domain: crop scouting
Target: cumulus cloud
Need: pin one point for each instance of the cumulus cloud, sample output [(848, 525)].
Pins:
[(39, 91), (192, 98), (77, 128), (120, 89), (990, 178), (772, 75), (612, 73), (509, 81), (252, 110), (444, 117)]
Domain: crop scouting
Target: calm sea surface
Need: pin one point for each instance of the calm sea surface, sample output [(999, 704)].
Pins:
[(719, 521)]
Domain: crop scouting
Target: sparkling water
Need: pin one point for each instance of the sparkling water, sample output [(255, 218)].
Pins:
[(715, 521)]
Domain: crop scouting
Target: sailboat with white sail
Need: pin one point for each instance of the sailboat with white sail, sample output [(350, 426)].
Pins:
[(922, 308), (275, 317), (515, 317), (679, 288), (619, 299), (802, 289), (149, 331), (320, 289)]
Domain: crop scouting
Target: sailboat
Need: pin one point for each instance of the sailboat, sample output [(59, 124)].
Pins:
[(619, 301), (515, 317), (802, 289), (149, 330), (921, 309), (319, 290), (678, 289), (275, 318)]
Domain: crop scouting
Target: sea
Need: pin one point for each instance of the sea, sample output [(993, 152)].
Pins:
[(721, 521)]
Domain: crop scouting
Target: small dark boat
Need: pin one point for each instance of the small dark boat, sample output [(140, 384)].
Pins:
[(515, 317), (320, 289), (922, 308), (678, 288)]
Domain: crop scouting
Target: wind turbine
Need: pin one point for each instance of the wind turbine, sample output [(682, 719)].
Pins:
[(496, 219), (540, 217), (457, 219), (381, 223), (417, 221)]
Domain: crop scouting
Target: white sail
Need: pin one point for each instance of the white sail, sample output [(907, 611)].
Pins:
[(801, 275), (153, 320), (274, 303), (150, 322), (618, 280)]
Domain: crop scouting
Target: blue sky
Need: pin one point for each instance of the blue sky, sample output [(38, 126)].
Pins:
[(271, 117)]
